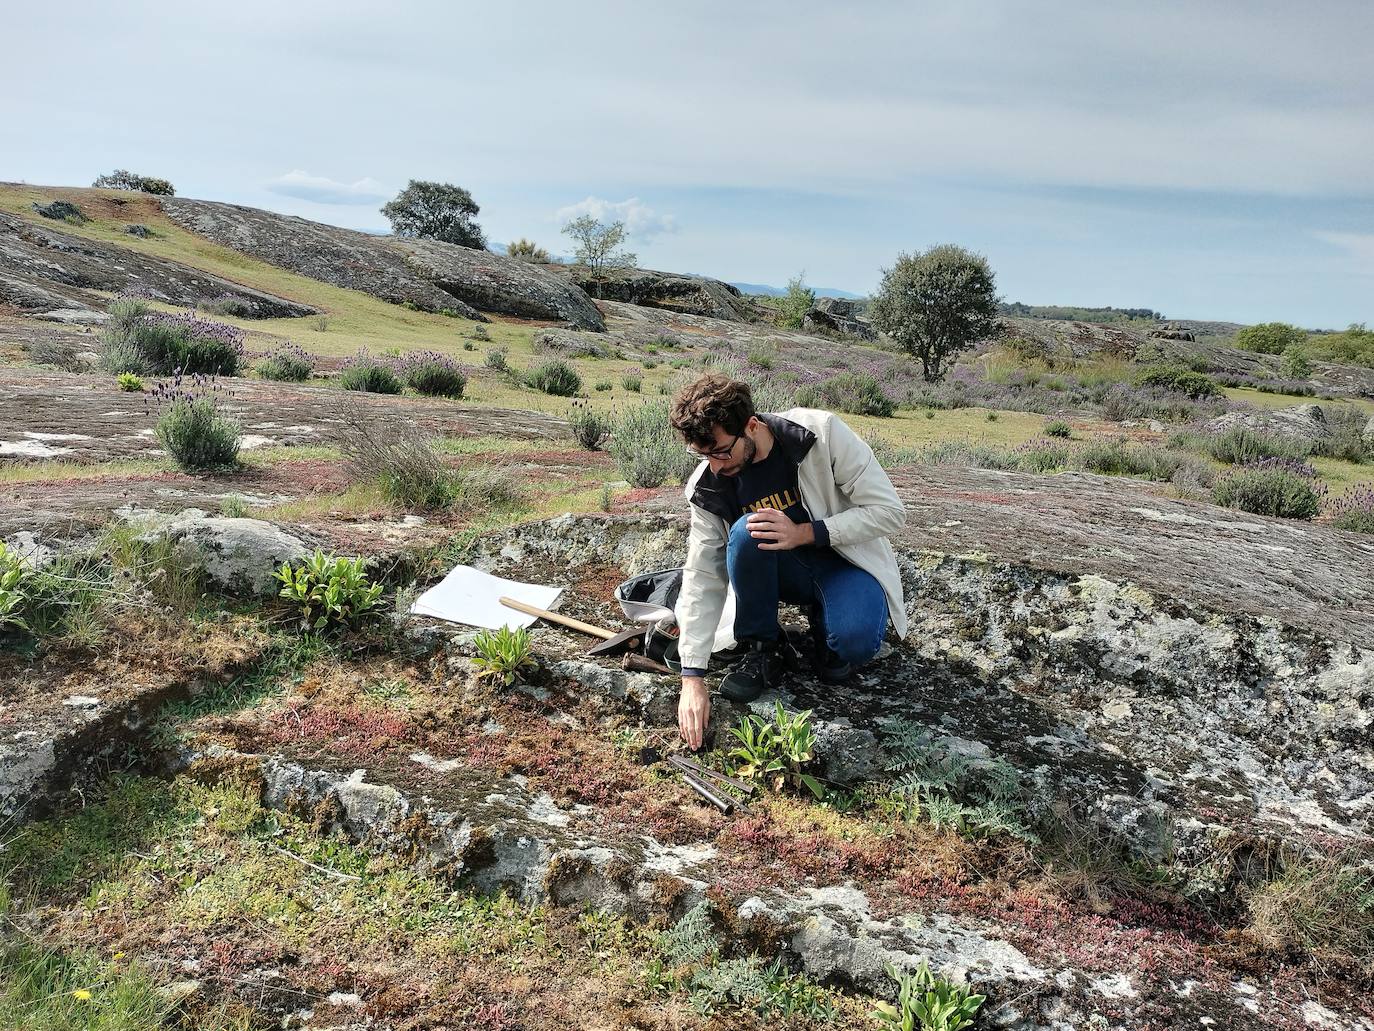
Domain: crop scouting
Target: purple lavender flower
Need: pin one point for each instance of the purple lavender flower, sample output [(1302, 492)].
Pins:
[(205, 329), (1293, 465), (1353, 509)]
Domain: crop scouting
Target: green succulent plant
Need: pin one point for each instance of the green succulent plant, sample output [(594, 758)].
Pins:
[(775, 752), (926, 1002), (13, 596), (503, 654), (331, 591)]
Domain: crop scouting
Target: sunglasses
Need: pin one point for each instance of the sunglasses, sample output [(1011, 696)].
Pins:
[(720, 453)]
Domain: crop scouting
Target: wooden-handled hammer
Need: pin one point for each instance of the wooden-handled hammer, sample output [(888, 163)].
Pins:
[(612, 643)]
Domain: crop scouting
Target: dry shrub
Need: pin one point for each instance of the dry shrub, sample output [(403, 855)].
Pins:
[(402, 462), (1319, 909), (59, 352)]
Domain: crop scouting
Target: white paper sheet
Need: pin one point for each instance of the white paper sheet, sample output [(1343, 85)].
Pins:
[(471, 596)]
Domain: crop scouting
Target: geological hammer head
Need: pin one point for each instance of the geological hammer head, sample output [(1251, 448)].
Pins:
[(625, 641)]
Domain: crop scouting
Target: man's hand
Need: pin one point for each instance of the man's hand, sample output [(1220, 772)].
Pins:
[(693, 710), (778, 533)]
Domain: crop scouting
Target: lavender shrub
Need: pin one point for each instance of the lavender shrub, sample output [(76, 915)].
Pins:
[(1272, 492), (288, 363), (433, 374), (1296, 466), (1353, 510), (142, 341), (191, 428), (231, 305), (371, 375)]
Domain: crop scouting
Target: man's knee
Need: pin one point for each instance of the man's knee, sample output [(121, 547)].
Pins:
[(740, 537), (856, 648)]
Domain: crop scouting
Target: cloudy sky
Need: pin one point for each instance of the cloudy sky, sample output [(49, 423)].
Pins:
[(1212, 159)]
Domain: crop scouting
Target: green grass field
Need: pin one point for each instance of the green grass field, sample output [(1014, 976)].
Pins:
[(1265, 399)]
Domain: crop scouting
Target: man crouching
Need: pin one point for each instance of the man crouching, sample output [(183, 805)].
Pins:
[(785, 508)]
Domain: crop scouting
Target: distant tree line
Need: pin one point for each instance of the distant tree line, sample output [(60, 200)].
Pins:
[(1351, 346), (1071, 313)]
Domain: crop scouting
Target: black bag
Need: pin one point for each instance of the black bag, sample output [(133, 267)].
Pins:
[(650, 598)]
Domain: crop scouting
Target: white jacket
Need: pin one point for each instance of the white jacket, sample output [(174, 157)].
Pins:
[(840, 482)]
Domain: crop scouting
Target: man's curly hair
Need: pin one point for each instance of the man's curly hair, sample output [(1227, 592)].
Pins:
[(713, 399)]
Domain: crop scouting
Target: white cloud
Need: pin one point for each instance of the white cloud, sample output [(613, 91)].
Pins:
[(641, 221), (322, 190), (1359, 248)]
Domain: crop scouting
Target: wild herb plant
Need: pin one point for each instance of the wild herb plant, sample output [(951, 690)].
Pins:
[(287, 364), (775, 752), (687, 958), (504, 654), (139, 340), (496, 360), (632, 381), (67, 599), (130, 383), (1122, 457), (433, 374), (1345, 436), (404, 465), (564, 344), (230, 305), (646, 448), (13, 594), (49, 989), (926, 1002), (332, 592), (370, 375), (59, 352), (1269, 491), (556, 377), (191, 428), (61, 211), (1353, 510), (589, 429), (857, 393), (163, 575), (1318, 905), (1240, 445), (1057, 428)]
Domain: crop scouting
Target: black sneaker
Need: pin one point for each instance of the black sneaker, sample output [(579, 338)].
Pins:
[(829, 667), (755, 672)]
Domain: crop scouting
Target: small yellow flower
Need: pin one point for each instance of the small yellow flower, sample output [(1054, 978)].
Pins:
[(83, 994), (117, 956)]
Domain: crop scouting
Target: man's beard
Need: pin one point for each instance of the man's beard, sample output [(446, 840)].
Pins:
[(747, 459)]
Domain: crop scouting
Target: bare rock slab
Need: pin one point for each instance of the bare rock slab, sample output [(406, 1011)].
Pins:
[(434, 276), (43, 269)]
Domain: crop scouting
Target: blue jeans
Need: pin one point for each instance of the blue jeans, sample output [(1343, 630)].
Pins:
[(849, 603)]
